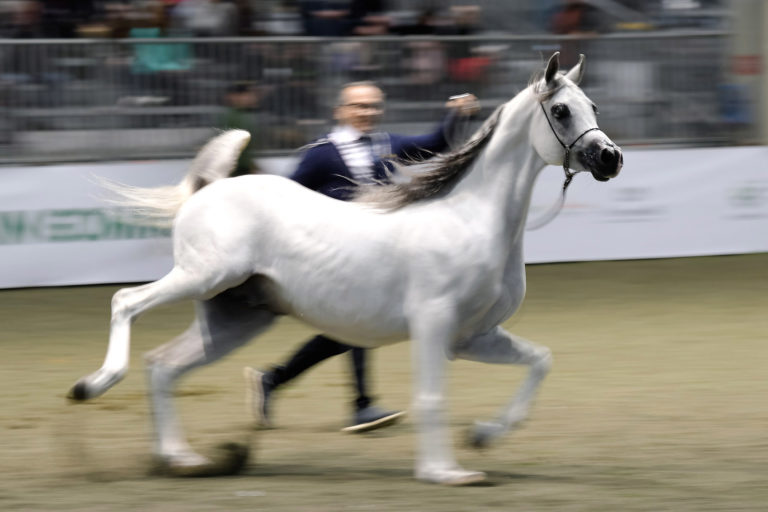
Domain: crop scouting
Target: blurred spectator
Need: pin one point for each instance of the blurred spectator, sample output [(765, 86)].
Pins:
[(426, 65), (116, 19), (368, 18), (464, 21), (342, 18), (291, 72), (576, 17), (241, 101), (27, 21), (735, 108), (324, 17), (61, 18), (591, 17), (424, 24), (207, 18), (466, 64), (276, 18), (52, 18), (158, 71), (28, 64), (244, 18)]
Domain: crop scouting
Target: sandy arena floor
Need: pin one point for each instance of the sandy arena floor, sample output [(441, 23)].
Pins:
[(657, 401)]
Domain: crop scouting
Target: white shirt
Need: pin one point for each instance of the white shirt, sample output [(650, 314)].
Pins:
[(357, 154)]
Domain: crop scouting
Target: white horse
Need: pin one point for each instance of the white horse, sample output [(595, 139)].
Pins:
[(438, 259)]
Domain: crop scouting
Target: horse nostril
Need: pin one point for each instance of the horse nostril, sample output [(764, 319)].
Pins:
[(607, 156)]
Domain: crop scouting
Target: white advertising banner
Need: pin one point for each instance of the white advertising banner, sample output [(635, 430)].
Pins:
[(664, 203), (56, 229)]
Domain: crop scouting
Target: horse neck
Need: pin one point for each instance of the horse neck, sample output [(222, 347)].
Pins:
[(501, 180)]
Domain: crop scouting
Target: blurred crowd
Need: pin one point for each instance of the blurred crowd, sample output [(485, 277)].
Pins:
[(227, 18), (133, 83)]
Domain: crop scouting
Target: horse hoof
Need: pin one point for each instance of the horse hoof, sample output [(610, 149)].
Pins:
[(483, 434), (451, 477), (231, 458), (79, 392), (479, 440), (228, 459), (95, 384)]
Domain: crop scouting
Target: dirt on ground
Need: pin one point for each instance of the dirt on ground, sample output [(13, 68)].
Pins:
[(656, 401)]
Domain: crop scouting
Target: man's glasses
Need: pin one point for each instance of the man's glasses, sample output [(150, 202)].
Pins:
[(366, 106)]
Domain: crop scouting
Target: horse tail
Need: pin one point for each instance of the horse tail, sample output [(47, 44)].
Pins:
[(158, 205)]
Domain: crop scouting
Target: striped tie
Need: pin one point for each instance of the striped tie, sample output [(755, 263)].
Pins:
[(358, 157)]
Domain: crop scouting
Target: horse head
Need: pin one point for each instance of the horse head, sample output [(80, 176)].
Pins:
[(565, 130)]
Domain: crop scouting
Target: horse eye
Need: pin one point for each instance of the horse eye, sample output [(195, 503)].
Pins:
[(594, 109), (560, 111)]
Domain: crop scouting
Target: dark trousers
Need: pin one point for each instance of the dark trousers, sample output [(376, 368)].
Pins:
[(319, 349)]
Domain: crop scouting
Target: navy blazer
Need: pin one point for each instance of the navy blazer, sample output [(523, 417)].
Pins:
[(322, 169)]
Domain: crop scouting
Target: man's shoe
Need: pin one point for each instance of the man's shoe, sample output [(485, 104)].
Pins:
[(371, 418), (257, 395)]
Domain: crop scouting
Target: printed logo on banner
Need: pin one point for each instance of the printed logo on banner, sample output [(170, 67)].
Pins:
[(634, 204), (748, 200), (72, 225)]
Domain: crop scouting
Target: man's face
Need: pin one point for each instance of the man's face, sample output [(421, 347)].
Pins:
[(361, 107)]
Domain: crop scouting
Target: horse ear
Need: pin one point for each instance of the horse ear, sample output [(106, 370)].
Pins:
[(577, 72), (552, 67)]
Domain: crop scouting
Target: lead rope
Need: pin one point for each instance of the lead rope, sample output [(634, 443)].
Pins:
[(553, 210)]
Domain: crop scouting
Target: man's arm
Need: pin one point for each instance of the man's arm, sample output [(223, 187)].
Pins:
[(420, 147)]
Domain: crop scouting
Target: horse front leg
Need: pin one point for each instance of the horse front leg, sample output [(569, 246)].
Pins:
[(431, 332), (500, 347)]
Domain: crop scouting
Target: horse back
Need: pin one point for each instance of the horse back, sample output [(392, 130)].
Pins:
[(300, 253)]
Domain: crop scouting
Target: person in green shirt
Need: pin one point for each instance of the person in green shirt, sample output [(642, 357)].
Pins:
[(241, 101)]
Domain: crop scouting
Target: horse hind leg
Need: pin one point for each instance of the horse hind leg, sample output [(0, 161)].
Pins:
[(221, 325), (127, 304), (500, 347)]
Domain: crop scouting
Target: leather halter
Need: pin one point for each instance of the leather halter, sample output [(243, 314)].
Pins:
[(567, 158), (555, 209)]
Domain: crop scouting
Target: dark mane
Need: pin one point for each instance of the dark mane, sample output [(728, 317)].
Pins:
[(433, 177)]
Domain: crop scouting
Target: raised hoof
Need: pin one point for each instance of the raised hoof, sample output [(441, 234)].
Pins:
[(228, 459), (95, 384), (451, 477), (483, 434), (79, 392)]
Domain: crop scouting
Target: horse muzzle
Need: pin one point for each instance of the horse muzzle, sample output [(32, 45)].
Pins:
[(603, 160)]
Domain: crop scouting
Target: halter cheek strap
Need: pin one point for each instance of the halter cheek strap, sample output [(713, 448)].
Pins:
[(555, 209), (567, 158)]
